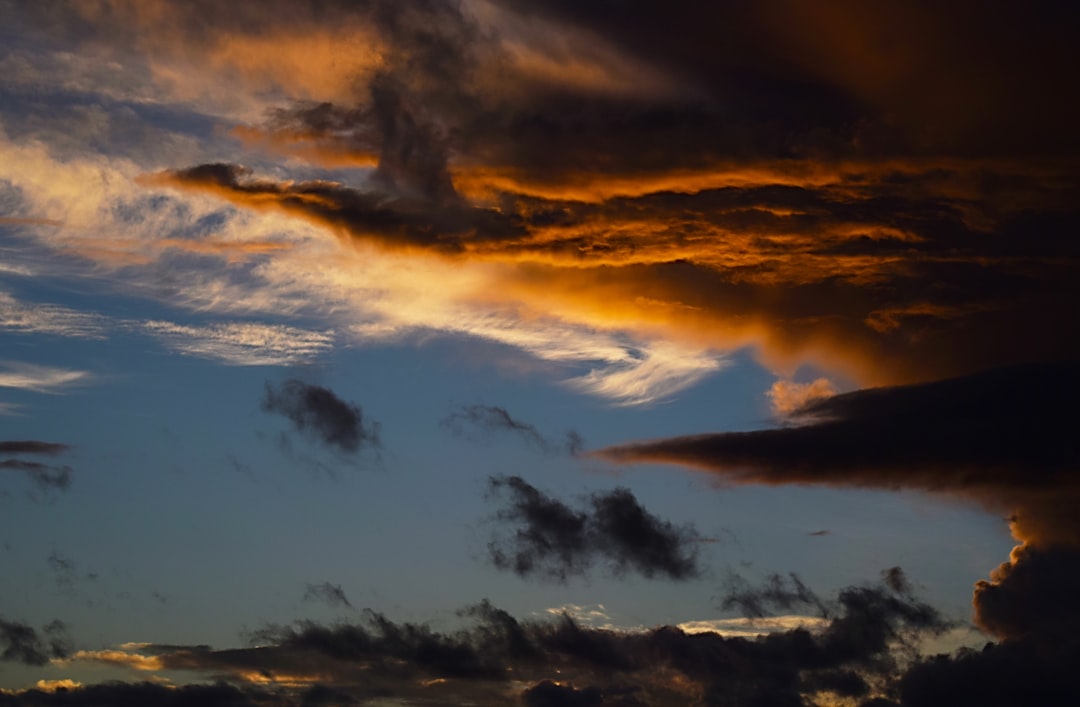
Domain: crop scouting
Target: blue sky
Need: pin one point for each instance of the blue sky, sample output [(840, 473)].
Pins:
[(471, 230)]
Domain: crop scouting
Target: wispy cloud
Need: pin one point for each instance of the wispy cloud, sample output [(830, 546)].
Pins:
[(38, 318), (40, 379), (243, 343)]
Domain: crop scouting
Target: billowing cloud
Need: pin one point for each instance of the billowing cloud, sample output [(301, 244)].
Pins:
[(786, 397), (322, 415), (467, 420), (543, 536)]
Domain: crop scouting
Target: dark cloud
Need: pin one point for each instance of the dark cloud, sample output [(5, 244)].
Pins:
[(544, 537), (466, 419), (29, 446), (21, 643), (1004, 438), (145, 694), (999, 675), (46, 477), (551, 694), (776, 593), (396, 222), (322, 415), (492, 653), (330, 594)]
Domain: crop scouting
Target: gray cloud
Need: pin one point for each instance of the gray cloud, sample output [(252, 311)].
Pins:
[(21, 643), (541, 536), (322, 415)]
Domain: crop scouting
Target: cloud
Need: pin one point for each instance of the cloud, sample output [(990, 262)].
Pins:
[(545, 537), (243, 343), (21, 643), (492, 658), (39, 318), (322, 415), (46, 477), (330, 594), (787, 397), (1002, 438), (750, 627), (493, 418), (31, 446), (40, 379)]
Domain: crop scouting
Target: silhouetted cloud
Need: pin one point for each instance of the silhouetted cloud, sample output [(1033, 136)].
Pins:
[(543, 536), (1004, 438), (29, 446), (330, 594), (22, 643), (860, 651), (493, 418), (146, 694), (319, 413)]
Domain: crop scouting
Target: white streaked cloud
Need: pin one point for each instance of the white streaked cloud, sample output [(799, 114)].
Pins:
[(243, 343), (40, 379), (131, 233), (750, 627), (20, 317)]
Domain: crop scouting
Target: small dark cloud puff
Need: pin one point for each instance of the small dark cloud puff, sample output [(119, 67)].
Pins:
[(330, 594), (322, 415), (542, 536)]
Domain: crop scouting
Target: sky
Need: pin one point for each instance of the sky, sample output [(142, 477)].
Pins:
[(537, 352)]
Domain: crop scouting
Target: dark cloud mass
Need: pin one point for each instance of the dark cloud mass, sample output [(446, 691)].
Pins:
[(322, 415), (1004, 438), (542, 536), (563, 662), (22, 643)]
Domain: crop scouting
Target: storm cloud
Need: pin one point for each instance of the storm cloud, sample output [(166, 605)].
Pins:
[(542, 536)]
